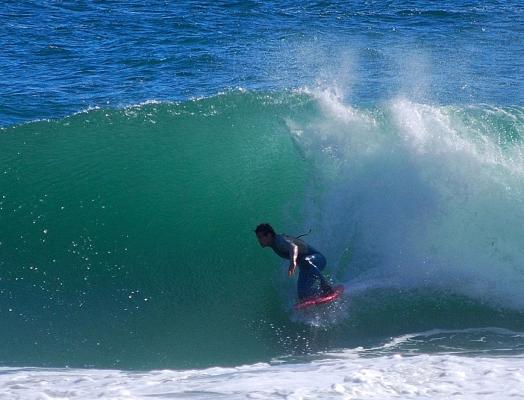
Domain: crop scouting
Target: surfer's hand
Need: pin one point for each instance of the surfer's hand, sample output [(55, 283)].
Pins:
[(291, 269)]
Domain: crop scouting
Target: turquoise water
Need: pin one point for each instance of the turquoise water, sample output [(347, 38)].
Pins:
[(127, 234), (140, 147)]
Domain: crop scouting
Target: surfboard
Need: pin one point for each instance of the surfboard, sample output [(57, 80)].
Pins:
[(321, 299)]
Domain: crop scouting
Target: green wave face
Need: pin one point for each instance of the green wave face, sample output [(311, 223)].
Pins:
[(126, 235)]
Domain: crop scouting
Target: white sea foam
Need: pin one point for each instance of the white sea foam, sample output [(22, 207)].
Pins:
[(343, 375)]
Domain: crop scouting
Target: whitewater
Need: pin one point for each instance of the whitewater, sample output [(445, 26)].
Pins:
[(347, 374), (343, 376)]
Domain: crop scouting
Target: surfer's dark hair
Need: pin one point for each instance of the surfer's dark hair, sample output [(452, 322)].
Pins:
[(265, 229)]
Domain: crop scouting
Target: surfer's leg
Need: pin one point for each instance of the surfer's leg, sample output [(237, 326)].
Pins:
[(310, 276), (307, 282), (317, 263)]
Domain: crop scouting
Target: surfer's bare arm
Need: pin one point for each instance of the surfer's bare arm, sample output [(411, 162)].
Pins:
[(293, 257)]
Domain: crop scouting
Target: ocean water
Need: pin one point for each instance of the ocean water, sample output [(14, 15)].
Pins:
[(140, 144)]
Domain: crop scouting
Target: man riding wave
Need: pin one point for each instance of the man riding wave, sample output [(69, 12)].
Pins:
[(309, 261)]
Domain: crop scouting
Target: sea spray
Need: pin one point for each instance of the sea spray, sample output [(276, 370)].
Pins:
[(419, 195)]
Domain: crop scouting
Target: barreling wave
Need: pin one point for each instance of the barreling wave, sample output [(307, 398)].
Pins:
[(126, 235)]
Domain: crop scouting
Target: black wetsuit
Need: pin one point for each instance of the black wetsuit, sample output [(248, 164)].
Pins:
[(310, 262)]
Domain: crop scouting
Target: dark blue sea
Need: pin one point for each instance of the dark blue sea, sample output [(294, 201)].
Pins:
[(60, 57), (142, 142)]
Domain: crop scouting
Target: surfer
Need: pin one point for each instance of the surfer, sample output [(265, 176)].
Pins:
[(309, 261)]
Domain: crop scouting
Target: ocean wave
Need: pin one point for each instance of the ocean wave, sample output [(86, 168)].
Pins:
[(127, 233)]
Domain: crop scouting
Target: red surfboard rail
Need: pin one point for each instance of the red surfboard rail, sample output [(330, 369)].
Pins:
[(316, 300)]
